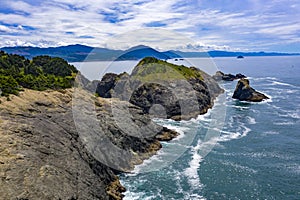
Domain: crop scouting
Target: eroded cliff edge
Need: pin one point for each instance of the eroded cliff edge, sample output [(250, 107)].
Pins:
[(43, 156), (163, 89)]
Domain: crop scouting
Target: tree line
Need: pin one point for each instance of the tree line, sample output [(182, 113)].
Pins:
[(40, 73)]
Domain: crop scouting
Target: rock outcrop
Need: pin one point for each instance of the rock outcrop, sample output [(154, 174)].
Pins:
[(244, 92), (163, 89), (227, 77), (44, 154)]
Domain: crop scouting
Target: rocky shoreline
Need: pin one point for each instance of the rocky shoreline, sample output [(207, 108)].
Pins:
[(42, 155), (163, 89), (69, 144)]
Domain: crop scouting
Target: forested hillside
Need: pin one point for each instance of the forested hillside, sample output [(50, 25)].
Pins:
[(40, 73)]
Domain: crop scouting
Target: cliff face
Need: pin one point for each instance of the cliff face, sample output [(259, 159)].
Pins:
[(163, 89), (44, 156)]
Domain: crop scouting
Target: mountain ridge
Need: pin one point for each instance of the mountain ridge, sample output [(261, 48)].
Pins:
[(79, 53)]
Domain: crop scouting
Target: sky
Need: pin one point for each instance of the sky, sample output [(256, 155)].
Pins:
[(190, 25)]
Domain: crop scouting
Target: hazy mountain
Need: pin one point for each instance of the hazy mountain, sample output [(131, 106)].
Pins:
[(78, 53), (141, 51), (181, 54)]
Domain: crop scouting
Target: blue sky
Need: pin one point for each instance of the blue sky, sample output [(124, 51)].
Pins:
[(192, 25)]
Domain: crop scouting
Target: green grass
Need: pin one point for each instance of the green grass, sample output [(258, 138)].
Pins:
[(151, 69)]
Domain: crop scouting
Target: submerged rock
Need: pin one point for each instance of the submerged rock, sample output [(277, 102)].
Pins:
[(244, 92)]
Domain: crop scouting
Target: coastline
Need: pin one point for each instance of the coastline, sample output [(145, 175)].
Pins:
[(179, 135), (45, 140)]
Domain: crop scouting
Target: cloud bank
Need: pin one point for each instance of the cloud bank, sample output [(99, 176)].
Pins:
[(250, 25)]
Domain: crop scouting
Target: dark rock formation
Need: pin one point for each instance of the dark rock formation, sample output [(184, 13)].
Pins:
[(227, 77), (166, 90), (108, 81), (47, 152), (244, 92), (239, 76)]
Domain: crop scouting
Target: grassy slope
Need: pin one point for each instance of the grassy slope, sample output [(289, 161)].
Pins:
[(149, 69)]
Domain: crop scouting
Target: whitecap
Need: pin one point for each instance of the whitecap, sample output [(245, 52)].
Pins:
[(294, 168), (291, 91), (204, 117), (132, 195), (251, 120), (233, 135), (284, 123), (282, 83), (291, 114), (192, 171), (157, 158), (261, 102), (239, 107), (240, 167), (268, 155), (246, 131), (271, 133), (276, 107), (262, 78), (194, 197), (180, 130)]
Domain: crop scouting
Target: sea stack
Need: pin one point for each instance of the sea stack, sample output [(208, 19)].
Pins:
[(244, 92)]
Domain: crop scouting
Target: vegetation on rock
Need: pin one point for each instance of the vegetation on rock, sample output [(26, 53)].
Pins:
[(183, 92), (40, 73), (151, 68)]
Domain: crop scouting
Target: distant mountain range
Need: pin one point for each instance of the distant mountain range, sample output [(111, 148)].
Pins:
[(79, 53)]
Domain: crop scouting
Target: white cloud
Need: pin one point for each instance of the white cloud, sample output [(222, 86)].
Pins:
[(5, 29), (56, 22)]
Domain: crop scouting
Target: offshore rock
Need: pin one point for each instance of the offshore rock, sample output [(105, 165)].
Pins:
[(244, 92), (227, 77)]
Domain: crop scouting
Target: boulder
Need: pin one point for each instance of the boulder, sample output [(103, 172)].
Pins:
[(244, 92), (239, 76), (104, 86)]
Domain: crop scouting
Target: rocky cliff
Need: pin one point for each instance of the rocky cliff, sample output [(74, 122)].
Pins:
[(163, 89), (43, 154)]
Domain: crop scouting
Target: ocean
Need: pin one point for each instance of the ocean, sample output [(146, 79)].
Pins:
[(238, 150)]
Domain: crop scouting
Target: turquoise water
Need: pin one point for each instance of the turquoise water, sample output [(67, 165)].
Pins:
[(238, 150)]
